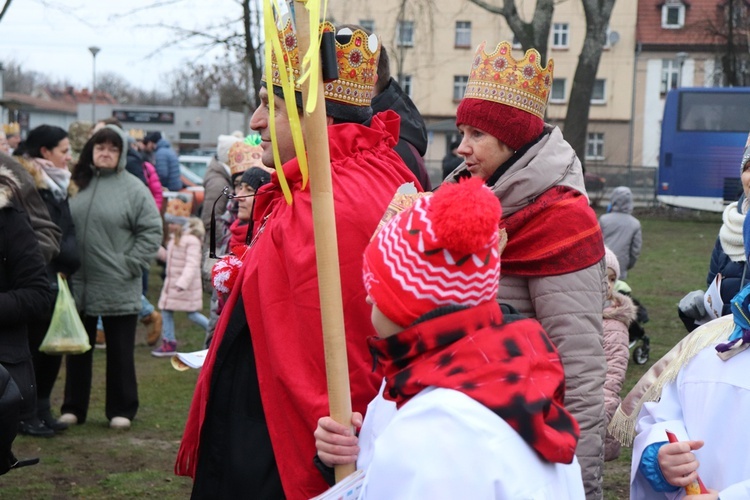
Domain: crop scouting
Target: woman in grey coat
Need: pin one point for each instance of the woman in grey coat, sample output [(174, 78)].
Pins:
[(119, 231)]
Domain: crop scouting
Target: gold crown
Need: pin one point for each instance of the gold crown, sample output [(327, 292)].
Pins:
[(12, 128), (357, 60), (243, 156), (499, 77)]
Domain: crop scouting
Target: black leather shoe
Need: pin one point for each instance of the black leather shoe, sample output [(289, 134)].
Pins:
[(34, 428), (51, 422)]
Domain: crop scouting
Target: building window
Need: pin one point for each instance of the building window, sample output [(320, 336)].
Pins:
[(560, 35), (406, 84), (557, 94), (405, 34), (367, 25), (670, 75), (595, 146), (190, 136), (598, 94), (673, 15), (463, 34), (459, 86)]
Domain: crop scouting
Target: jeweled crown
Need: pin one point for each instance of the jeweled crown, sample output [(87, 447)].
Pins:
[(499, 77), (12, 128), (357, 60)]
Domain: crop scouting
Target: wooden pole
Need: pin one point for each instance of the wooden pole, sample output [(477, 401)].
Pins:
[(314, 127)]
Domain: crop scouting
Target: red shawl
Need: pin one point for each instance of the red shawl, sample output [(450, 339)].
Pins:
[(512, 369), (280, 291), (557, 233)]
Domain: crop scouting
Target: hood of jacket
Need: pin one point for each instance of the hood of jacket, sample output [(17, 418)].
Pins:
[(549, 162), (163, 143), (622, 200), (413, 129), (621, 308), (123, 160), (6, 194)]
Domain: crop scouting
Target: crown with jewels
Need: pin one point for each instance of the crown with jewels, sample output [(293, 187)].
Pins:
[(499, 77), (357, 61), (12, 128)]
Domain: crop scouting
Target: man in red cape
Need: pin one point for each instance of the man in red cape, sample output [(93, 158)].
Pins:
[(250, 428)]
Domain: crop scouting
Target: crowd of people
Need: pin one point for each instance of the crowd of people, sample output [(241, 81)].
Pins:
[(484, 329)]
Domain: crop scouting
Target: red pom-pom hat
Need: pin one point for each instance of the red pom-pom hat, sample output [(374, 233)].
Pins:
[(441, 251)]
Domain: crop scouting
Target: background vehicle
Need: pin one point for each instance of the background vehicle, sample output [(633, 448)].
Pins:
[(193, 184), (702, 138), (195, 163)]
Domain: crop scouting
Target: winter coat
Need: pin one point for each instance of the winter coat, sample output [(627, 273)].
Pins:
[(622, 231), (734, 273), (617, 318), (152, 178), (134, 164), (10, 413), (568, 306), (119, 232), (167, 165), (412, 142), (216, 179), (24, 287), (67, 261), (183, 287), (46, 231)]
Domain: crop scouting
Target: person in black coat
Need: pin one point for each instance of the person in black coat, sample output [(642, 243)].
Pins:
[(24, 290)]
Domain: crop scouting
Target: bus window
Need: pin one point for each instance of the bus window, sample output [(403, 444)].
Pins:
[(706, 112)]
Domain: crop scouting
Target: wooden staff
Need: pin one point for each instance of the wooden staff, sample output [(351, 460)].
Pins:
[(315, 130)]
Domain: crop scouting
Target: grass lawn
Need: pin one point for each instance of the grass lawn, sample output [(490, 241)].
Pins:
[(92, 461)]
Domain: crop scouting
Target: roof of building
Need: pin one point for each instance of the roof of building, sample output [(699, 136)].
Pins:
[(697, 31), (24, 101)]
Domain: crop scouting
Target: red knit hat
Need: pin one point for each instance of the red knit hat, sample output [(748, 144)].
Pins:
[(441, 251), (506, 97), (511, 126)]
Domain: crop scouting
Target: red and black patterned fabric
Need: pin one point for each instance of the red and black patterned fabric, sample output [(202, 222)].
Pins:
[(513, 369), (556, 234)]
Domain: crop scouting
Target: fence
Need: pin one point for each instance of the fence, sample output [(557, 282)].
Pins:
[(600, 181)]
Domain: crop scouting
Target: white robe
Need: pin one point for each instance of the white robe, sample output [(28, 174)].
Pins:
[(444, 445), (709, 401)]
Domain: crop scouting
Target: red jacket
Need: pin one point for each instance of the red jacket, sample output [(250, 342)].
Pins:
[(280, 291)]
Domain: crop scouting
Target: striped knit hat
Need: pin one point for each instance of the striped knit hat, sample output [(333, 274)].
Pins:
[(441, 251)]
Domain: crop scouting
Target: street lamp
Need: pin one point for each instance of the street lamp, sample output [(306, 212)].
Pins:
[(680, 57), (94, 51)]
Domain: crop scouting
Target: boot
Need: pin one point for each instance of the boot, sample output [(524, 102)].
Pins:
[(34, 427), (153, 322), (44, 413)]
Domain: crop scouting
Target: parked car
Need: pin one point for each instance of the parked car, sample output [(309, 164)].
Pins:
[(196, 164), (192, 183)]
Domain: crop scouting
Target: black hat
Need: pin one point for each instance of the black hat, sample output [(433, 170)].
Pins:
[(152, 137), (255, 177)]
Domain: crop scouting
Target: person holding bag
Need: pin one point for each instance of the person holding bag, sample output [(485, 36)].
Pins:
[(45, 155)]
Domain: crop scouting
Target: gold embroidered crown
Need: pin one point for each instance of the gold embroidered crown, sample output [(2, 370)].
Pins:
[(357, 60), (499, 77), (12, 128)]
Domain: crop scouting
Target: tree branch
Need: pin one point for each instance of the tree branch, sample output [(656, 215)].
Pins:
[(5, 9)]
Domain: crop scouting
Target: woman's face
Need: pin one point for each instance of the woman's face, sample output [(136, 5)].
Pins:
[(59, 156), (106, 155), (244, 205), (482, 152), (745, 177)]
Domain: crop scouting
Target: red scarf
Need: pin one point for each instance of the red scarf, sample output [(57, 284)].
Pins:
[(512, 369), (238, 231), (557, 233)]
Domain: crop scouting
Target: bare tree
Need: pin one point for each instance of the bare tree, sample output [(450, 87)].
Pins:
[(16, 79), (536, 33), (730, 34), (5, 9)]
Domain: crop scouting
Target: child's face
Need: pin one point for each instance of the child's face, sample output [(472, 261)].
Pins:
[(611, 278), (174, 227), (384, 326)]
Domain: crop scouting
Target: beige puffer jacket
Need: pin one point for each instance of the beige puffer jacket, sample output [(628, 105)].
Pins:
[(183, 286), (568, 306)]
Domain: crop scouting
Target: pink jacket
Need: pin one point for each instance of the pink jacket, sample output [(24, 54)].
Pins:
[(183, 286), (149, 171), (617, 318)]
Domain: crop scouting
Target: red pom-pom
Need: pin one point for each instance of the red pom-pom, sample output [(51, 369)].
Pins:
[(465, 216)]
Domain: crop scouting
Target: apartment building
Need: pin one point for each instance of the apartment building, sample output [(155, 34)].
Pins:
[(431, 44)]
